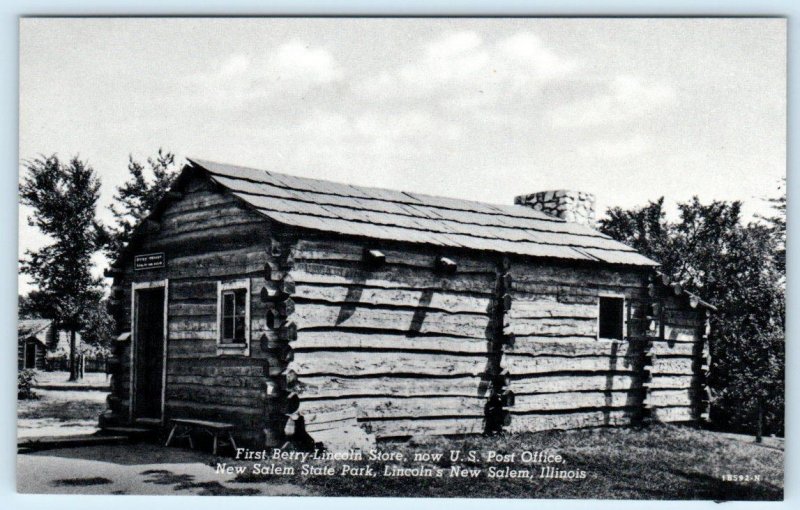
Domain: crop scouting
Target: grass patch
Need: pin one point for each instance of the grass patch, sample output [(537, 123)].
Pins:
[(63, 406), (659, 462)]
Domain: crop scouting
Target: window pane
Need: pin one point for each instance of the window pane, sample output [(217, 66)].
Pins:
[(241, 297), (227, 304), (227, 328), (239, 337), (611, 318)]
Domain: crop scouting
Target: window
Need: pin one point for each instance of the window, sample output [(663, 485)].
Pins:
[(233, 316), (233, 312), (612, 318)]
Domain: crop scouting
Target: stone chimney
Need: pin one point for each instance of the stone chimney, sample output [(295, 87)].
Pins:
[(572, 206)]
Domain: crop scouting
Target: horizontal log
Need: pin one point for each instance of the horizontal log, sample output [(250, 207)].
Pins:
[(399, 408), (335, 386), (678, 366), (415, 322), (255, 383), (575, 400), (518, 365), (179, 347), (206, 323), (545, 308), (426, 427), (215, 396), (217, 264), (198, 200), (233, 236), (441, 300), (395, 278), (207, 310), (214, 367), (205, 220), (196, 335), (567, 326), (175, 215), (674, 414), (576, 346), (344, 412), (674, 348), (579, 276), (308, 340), (675, 381), (677, 397), (560, 384), (541, 422), (319, 250), (211, 411), (378, 363)]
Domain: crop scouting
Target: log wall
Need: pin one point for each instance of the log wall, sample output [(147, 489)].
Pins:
[(404, 345), (207, 237), (561, 375)]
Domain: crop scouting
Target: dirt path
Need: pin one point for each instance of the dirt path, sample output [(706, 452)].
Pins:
[(134, 469)]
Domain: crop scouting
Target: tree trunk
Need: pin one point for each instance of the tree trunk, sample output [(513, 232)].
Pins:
[(760, 423), (73, 356)]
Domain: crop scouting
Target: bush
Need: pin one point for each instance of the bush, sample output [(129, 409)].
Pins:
[(25, 381)]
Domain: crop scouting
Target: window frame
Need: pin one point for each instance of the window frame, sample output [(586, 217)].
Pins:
[(223, 348), (624, 324)]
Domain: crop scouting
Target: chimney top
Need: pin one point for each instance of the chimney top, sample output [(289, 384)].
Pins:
[(572, 206)]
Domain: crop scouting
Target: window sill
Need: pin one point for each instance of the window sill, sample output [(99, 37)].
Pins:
[(233, 349)]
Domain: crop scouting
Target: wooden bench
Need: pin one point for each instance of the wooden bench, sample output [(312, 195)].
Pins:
[(183, 428)]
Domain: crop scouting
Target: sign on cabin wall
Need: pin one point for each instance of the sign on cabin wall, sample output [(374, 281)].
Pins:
[(149, 261)]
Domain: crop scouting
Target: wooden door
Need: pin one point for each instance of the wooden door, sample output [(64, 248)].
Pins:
[(30, 354), (149, 338)]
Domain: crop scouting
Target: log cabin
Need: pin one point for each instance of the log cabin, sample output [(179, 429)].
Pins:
[(33, 338), (307, 310)]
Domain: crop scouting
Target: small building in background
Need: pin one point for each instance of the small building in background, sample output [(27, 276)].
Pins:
[(33, 338)]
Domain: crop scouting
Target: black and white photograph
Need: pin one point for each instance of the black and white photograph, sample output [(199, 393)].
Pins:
[(442, 257)]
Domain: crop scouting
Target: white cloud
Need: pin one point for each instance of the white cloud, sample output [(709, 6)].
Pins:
[(296, 61), (625, 98), (465, 70), (616, 149), (293, 68)]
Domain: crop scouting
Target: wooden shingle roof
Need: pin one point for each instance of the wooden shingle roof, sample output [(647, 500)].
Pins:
[(33, 328), (416, 218)]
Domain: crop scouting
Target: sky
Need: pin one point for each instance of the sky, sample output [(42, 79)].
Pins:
[(480, 109)]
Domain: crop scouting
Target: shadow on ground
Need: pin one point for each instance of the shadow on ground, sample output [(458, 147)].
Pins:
[(129, 455), (186, 482)]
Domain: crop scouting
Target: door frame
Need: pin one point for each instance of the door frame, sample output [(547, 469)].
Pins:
[(135, 286)]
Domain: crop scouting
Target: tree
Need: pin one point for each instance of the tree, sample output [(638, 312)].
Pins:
[(98, 325), (64, 199), (777, 223), (136, 198), (732, 265)]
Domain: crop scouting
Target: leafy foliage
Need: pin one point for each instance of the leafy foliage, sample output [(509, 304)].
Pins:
[(734, 266), (98, 326), (26, 379), (136, 198), (64, 198)]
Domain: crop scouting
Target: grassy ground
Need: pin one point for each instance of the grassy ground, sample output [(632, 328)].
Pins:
[(661, 462), (64, 406), (62, 378), (59, 412)]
